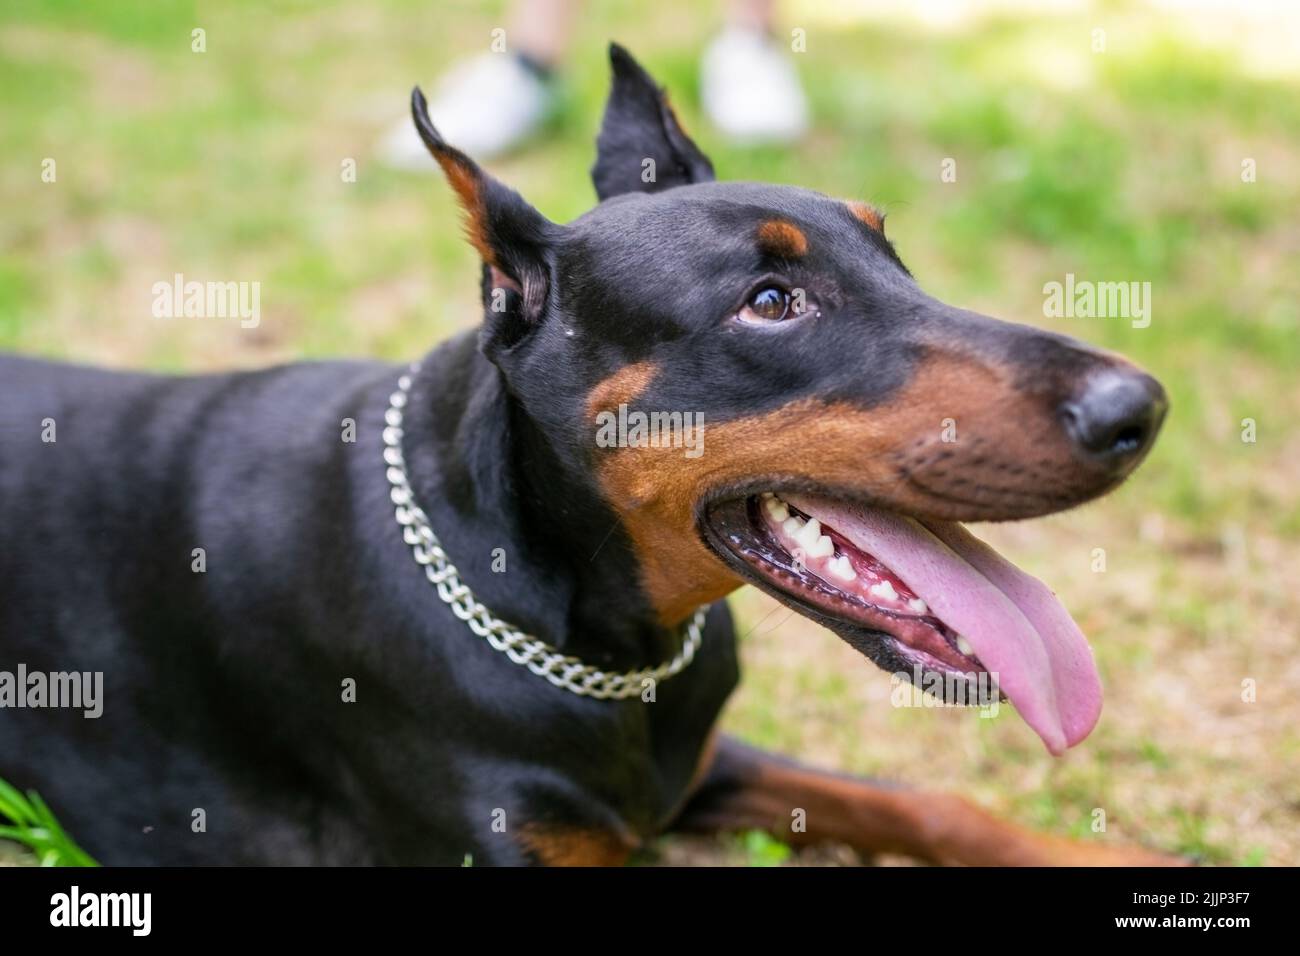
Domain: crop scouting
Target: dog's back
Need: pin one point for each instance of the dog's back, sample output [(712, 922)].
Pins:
[(159, 531)]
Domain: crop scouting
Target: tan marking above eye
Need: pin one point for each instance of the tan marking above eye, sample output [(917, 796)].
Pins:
[(784, 239), (869, 215)]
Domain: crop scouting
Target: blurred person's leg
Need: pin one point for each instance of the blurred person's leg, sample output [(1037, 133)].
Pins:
[(747, 78), (491, 103)]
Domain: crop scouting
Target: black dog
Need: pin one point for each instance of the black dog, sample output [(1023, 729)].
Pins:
[(294, 672)]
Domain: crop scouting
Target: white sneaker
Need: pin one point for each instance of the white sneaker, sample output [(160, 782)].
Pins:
[(484, 107), (750, 89)]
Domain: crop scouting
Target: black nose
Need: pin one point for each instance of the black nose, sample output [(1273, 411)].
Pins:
[(1114, 417)]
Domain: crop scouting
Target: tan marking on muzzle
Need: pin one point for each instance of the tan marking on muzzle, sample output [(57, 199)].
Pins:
[(621, 388), (655, 490)]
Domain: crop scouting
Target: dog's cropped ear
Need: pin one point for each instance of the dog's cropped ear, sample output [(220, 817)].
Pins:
[(513, 239), (642, 146)]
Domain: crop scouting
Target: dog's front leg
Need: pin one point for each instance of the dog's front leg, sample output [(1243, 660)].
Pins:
[(744, 788)]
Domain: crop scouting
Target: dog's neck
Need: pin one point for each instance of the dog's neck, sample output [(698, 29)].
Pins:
[(531, 537)]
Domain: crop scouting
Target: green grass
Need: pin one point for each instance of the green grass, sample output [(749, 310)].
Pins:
[(760, 849), (32, 825)]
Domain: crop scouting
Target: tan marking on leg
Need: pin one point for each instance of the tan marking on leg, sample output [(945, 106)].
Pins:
[(564, 845), (874, 818)]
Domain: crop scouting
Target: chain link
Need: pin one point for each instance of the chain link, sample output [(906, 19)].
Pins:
[(539, 657)]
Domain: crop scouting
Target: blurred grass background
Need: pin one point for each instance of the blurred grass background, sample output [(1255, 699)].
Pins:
[(1115, 166)]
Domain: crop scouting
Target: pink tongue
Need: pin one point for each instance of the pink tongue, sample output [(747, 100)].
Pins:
[(1015, 625)]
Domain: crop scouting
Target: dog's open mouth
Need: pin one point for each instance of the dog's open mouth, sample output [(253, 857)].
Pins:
[(918, 597)]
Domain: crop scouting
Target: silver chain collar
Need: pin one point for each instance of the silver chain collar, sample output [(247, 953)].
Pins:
[(539, 657)]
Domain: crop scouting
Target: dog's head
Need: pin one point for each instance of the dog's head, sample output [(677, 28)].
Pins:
[(761, 392)]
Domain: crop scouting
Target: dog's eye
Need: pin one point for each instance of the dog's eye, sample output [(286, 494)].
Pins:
[(768, 304)]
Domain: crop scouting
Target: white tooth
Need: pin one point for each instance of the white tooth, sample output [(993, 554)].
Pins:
[(842, 568), (809, 533), (963, 645), (777, 509), (768, 496), (792, 526), (884, 590), (917, 605), (821, 548)]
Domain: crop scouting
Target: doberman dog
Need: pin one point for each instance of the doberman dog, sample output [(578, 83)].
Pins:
[(469, 627)]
